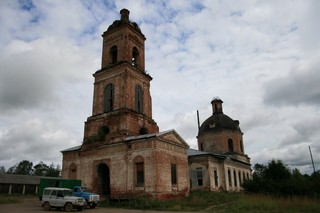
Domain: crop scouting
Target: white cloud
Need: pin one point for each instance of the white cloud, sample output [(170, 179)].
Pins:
[(261, 58)]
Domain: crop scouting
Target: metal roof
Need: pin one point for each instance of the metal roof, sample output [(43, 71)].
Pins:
[(72, 149), (20, 179), (194, 152)]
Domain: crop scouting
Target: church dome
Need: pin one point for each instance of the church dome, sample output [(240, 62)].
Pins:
[(218, 121)]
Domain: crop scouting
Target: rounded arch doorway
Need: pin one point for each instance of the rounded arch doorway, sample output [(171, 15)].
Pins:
[(103, 179)]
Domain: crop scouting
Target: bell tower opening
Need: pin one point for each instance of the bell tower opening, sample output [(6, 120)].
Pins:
[(113, 55)]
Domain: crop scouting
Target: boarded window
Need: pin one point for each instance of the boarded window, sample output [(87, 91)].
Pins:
[(173, 174), (140, 174), (139, 98), (200, 176), (108, 98), (113, 55)]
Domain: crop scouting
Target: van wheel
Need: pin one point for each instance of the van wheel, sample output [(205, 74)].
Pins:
[(92, 205), (46, 206), (68, 207)]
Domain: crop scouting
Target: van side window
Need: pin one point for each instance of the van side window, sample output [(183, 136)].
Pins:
[(54, 192)]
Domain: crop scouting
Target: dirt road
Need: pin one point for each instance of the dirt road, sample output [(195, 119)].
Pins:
[(34, 205)]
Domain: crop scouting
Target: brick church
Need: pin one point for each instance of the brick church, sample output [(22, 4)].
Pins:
[(123, 154)]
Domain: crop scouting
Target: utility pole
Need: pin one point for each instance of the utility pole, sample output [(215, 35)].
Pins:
[(314, 169), (198, 120)]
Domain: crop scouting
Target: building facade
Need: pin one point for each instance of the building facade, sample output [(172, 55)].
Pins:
[(123, 154), (220, 163)]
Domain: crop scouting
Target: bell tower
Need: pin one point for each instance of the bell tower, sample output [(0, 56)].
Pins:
[(122, 103)]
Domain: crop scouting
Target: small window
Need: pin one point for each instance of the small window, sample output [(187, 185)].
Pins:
[(140, 174), (143, 131), (46, 192), (216, 178), (173, 174), (229, 178), (113, 55), (230, 145), (241, 145), (235, 178), (108, 98), (199, 176), (54, 192), (139, 98)]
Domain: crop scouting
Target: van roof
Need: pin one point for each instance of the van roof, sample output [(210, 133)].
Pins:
[(56, 188)]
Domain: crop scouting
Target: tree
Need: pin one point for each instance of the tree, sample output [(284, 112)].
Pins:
[(277, 178), (24, 168), (12, 169), (40, 169), (53, 171), (2, 170)]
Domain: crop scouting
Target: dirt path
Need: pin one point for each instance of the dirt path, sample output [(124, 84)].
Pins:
[(31, 205)]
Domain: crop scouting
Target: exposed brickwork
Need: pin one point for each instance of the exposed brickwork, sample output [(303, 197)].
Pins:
[(118, 141), (218, 142)]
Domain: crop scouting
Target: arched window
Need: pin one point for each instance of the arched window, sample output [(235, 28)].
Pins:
[(139, 170), (108, 98), (139, 98), (135, 56), (230, 145), (113, 55), (173, 174)]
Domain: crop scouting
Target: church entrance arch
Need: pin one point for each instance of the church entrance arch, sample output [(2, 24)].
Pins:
[(103, 179)]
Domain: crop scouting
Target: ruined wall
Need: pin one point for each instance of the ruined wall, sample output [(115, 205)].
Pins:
[(157, 155)]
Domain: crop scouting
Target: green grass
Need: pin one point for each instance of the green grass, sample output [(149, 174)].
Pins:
[(272, 204), (211, 202), (225, 203)]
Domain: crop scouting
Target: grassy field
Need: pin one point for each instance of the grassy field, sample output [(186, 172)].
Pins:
[(227, 203), (211, 202)]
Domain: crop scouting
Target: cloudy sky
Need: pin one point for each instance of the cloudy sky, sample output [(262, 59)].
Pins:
[(262, 58)]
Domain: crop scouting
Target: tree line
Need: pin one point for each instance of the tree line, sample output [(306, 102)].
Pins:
[(26, 167), (277, 179)]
